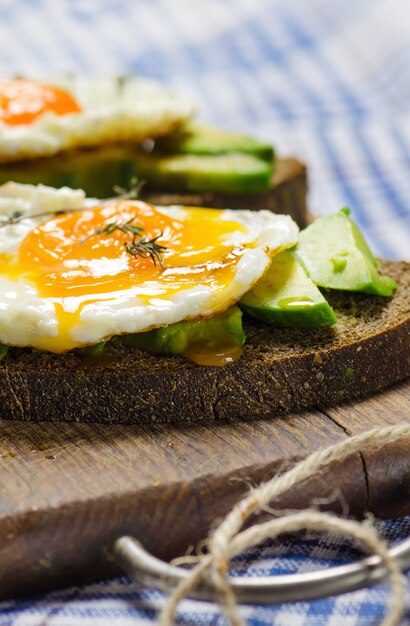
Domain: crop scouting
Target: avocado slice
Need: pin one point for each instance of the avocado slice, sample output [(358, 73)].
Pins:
[(207, 140), (97, 171), (286, 297), (230, 173), (195, 159), (335, 255), (215, 340)]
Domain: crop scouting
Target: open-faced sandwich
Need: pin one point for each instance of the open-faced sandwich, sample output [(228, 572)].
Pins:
[(122, 310), (99, 134)]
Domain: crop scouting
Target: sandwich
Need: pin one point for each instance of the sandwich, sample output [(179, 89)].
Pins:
[(120, 310), (102, 134)]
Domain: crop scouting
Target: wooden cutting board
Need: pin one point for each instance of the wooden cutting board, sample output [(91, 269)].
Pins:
[(69, 490)]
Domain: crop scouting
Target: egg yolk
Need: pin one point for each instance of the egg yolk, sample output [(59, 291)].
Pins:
[(23, 101), (85, 253), (84, 257)]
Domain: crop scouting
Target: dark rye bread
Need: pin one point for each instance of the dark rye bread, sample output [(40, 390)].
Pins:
[(286, 195), (281, 370)]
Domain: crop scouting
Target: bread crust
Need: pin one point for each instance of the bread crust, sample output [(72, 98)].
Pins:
[(281, 370)]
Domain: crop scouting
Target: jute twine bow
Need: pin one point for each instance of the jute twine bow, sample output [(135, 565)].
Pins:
[(226, 540)]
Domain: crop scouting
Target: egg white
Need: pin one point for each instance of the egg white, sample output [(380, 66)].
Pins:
[(27, 319), (113, 110)]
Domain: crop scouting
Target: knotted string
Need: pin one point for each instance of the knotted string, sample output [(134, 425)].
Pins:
[(227, 539)]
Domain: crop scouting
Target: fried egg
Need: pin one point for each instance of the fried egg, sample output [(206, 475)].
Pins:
[(75, 271), (38, 119)]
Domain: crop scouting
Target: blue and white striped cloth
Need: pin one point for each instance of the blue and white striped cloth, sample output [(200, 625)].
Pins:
[(326, 81)]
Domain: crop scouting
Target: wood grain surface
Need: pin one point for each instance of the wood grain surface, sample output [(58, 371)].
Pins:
[(69, 490)]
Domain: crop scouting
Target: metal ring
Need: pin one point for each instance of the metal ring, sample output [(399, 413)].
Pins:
[(147, 569)]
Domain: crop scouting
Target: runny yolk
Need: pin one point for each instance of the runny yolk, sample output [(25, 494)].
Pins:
[(216, 353), (80, 258), (23, 101), (80, 254)]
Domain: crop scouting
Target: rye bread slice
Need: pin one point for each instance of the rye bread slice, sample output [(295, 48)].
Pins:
[(281, 370), (286, 195)]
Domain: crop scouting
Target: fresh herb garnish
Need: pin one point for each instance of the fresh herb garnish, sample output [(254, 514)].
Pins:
[(14, 218), (123, 194), (139, 246), (126, 227), (18, 216), (133, 192), (147, 248)]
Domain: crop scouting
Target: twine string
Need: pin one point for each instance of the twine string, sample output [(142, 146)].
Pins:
[(227, 540)]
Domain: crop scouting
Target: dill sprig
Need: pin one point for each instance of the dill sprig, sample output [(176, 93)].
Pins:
[(123, 194), (125, 227), (18, 216), (139, 246), (133, 193), (14, 218), (147, 248)]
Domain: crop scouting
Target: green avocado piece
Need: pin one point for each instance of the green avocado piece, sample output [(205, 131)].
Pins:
[(3, 351), (207, 335), (232, 164), (97, 171), (95, 351), (207, 140), (229, 173), (336, 256), (286, 297)]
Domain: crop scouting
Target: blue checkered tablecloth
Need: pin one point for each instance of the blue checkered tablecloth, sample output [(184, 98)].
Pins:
[(326, 81), (122, 602)]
